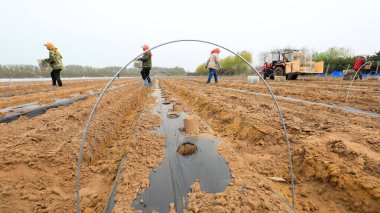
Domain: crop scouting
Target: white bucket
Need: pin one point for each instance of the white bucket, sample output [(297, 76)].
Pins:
[(137, 64), (43, 65), (253, 79)]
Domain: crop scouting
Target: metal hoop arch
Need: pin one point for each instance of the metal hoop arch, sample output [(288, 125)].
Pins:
[(155, 47), (352, 80)]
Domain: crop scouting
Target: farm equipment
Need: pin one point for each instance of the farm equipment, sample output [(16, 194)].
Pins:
[(289, 63)]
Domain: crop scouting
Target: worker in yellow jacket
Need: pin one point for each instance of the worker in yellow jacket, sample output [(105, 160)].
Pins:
[(55, 61)]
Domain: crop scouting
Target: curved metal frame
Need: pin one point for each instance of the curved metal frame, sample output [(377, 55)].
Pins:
[(155, 47), (352, 80)]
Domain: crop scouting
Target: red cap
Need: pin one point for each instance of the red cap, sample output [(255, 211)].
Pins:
[(216, 50), (145, 47)]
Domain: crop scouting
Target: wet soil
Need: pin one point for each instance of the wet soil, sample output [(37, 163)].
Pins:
[(187, 149), (171, 181)]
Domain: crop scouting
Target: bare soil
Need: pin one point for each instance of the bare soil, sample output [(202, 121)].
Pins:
[(335, 153), (187, 149)]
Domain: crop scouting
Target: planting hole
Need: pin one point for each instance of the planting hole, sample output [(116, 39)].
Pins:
[(173, 115), (187, 149)]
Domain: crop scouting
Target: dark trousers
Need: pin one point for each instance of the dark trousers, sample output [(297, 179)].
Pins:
[(360, 74), (56, 77), (211, 73), (145, 73)]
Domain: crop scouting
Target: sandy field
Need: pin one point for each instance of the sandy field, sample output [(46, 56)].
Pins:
[(335, 144)]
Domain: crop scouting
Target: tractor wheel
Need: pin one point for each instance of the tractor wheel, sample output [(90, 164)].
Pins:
[(268, 73), (264, 75), (294, 77), (291, 76), (279, 71)]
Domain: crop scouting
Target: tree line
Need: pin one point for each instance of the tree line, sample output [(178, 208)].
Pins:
[(337, 59), (32, 71), (231, 65)]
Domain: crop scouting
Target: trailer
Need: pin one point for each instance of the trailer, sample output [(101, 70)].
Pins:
[(289, 63)]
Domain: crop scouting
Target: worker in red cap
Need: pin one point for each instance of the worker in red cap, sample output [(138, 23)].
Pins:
[(212, 64), (146, 65), (360, 60)]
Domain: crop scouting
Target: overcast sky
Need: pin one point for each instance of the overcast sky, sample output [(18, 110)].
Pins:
[(110, 32)]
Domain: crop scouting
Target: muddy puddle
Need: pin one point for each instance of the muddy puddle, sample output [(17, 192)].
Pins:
[(196, 160)]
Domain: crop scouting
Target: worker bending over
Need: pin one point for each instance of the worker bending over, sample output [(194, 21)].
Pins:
[(359, 62)]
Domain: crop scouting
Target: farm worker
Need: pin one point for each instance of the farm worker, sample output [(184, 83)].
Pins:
[(212, 64), (55, 61), (360, 60), (146, 64)]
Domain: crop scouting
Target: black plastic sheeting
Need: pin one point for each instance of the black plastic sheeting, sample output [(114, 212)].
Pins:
[(33, 109), (23, 107), (111, 199), (40, 110), (171, 181)]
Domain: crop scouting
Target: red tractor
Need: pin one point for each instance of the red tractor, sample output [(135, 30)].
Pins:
[(276, 62), (290, 63)]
